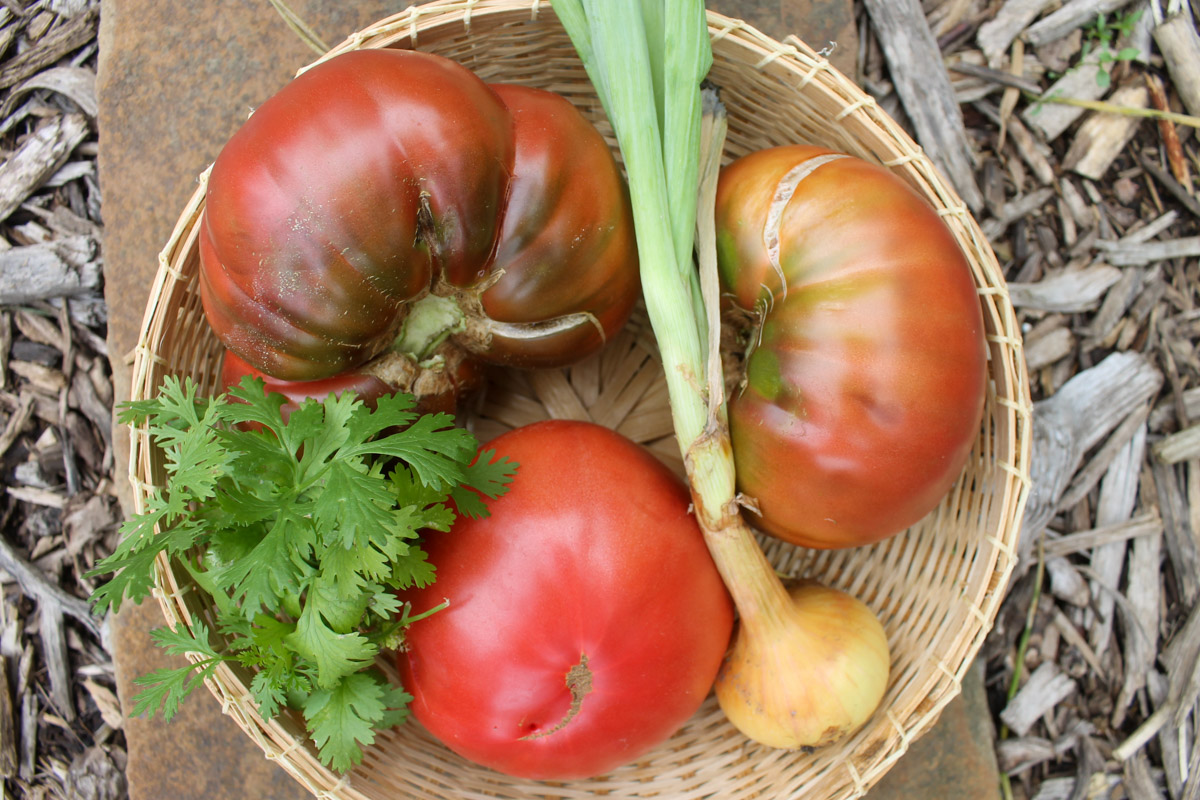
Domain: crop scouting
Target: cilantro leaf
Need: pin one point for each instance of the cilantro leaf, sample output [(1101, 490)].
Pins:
[(434, 449), (323, 430), (413, 571), (257, 406), (269, 633), (135, 581), (262, 474), (269, 687), (341, 606), (184, 429), (342, 718), (180, 641), (134, 568), (391, 411), (336, 655), (410, 494), (482, 477), (353, 503), (267, 571), (165, 688), (385, 604), (395, 701)]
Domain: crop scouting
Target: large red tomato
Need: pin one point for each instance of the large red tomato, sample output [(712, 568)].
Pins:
[(863, 390), (380, 178), (586, 620)]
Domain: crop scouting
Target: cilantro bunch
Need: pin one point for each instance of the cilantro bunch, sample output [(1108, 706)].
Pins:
[(301, 531)]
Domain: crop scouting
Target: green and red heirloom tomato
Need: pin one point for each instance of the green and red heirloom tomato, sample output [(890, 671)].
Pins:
[(390, 199), (586, 619), (862, 390)]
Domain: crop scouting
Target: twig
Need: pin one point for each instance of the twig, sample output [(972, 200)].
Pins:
[(1073, 420), (1143, 525), (1115, 108), (1072, 15), (8, 727), (923, 86), (1144, 733), (1022, 647), (1012, 17), (35, 584), (1102, 138), (62, 267), (996, 76), (301, 29), (1170, 138), (75, 33), (39, 157), (1179, 43), (1122, 255), (54, 651), (1170, 184)]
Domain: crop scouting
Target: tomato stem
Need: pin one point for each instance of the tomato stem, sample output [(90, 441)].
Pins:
[(430, 321)]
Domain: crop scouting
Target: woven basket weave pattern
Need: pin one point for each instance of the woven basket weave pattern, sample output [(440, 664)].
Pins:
[(937, 587)]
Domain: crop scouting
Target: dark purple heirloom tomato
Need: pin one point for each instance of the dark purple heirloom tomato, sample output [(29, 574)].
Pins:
[(391, 200), (863, 388)]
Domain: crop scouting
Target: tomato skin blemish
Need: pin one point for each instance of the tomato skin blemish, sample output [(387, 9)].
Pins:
[(579, 682)]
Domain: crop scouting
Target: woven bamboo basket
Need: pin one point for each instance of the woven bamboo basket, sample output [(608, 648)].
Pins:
[(937, 586)]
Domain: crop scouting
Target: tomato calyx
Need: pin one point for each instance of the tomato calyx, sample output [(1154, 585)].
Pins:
[(449, 314), (579, 684), (436, 380), (447, 311), (429, 323)]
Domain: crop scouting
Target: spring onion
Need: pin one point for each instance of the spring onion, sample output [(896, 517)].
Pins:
[(787, 681)]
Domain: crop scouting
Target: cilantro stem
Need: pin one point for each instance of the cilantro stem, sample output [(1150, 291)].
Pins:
[(203, 580), (388, 636), (406, 619)]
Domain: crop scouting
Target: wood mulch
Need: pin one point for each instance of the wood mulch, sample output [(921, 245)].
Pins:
[(59, 718), (1034, 108)]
